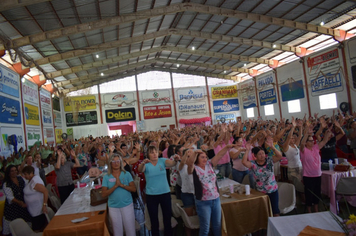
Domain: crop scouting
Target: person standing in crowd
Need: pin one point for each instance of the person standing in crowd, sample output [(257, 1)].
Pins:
[(157, 189), (15, 206), (28, 161), (311, 161), (239, 171), (224, 165), (63, 169), (207, 198), (352, 136), (38, 162), (118, 185), (262, 170), (36, 197)]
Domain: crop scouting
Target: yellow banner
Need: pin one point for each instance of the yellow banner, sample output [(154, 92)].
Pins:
[(58, 135), (79, 103), (224, 92), (32, 115)]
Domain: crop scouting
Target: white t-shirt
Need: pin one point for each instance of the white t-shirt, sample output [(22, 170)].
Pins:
[(33, 198), (293, 157), (187, 180)]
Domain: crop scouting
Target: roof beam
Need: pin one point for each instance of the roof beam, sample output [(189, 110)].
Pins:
[(109, 61), (162, 33), (166, 10), (180, 71), (11, 4)]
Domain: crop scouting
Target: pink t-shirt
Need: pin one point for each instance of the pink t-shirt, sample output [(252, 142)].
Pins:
[(164, 153), (226, 158), (311, 161)]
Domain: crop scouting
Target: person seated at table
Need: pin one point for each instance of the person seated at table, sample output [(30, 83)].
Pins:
[(118, 185), (36, 197), (262, 170), (63, 169), (207, 198), (15, 206), (311, 161), (157, 189)]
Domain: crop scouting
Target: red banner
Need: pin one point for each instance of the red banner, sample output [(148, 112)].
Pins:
[(313, 61), (151, 112)]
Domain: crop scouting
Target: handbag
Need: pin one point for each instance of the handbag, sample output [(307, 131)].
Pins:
[(96, 197)]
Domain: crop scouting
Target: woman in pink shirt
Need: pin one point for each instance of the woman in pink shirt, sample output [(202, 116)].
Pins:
[(311, 161)]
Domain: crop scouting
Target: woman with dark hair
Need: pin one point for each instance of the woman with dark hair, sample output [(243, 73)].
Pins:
[(36, 197), (15, 206), (262, 170), (239, 171), (157, 189), (207, 198), (118, 185)]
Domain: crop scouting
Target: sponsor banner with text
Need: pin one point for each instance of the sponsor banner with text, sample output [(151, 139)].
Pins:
[(268, 97), (226, 105), (190, 94), (84, 118), (228, 117), (79, 103), (33, 135), (45, 98), (10, 111), (58, 135), (9, 81), (6, 148), (155, 96), (224, 92), (192, 108), (46, 117), (32, 115), (30, 92), (113, 100), (161, 111), (118, 115)]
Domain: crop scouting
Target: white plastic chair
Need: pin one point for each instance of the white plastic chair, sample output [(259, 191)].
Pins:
[(287, 198), (345, 187), (160, 219), (19, 227), (175, 210), (55, 202), (50, 214), (191, 222)]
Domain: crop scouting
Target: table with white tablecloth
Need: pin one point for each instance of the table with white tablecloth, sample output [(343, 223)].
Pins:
[(293, 225)]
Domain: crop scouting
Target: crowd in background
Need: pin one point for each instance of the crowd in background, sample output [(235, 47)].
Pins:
[(189, 159)]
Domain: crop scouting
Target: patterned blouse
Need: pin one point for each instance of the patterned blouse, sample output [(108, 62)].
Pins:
[(264, 176), (207, 178)]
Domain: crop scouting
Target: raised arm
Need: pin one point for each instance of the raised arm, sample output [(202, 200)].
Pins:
[(245, 160), (220, 154), (326, 138), (278, 156), (305, 138)]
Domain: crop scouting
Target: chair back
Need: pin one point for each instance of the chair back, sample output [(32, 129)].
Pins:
[(185, 217), (55, 202), (346, 186), (287, 198), (175, 210), (19, 227)]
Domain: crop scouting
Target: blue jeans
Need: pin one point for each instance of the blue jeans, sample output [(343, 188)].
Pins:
[(239, 176), (209, 211), (224, 169)]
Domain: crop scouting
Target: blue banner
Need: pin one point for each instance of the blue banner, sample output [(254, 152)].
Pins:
[(249, 101), (268, 97), (228, 117), (9, 82), (292, 91), (226, 105), (10, 111)]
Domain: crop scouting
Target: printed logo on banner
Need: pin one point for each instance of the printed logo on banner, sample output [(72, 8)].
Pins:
[(154, 97), (55, 103), (30, 92), (224, 92), (57, 118), (268, 97), (321, 61), (9, 81), (84, 118), (47, 117), (45, 98), (58, 135), (5, 148), (265, 81), (161, 111), (226, 105), (192, 109), (48, 135), (190, 94), (117, 115), (330, 83), (119, 99), (83, 103), (292, 91), (228, 117), (249, 101), (31, 114), (10, 111), (33, 135)]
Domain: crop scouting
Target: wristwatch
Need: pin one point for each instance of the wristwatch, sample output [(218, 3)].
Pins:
[(45, 204)]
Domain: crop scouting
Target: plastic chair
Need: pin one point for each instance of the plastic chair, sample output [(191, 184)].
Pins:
[(50, 214), (191, 222), (345, 187), (175, 211), (19, 227), (55, 202), (287, 198), (160, 219)]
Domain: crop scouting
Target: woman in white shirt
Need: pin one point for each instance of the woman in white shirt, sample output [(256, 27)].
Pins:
[(36, 197)]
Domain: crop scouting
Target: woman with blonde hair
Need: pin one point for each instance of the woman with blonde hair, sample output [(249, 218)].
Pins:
[(118, 185)]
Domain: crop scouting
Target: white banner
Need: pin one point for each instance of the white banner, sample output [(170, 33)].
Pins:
[(113, 100), (6, 148), (190, 94), (265, 81), (57, 119), (33, 134), (48, 136), (30, 92), (188, 109), (46, 117), (45, 98), (155, 97)]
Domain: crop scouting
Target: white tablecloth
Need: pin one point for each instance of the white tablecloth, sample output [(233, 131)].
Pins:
[(79, 202), (226, 183), (293, 225)]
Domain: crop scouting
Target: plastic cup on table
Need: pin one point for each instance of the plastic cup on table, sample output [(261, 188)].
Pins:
[(247, 189), (336, 160)]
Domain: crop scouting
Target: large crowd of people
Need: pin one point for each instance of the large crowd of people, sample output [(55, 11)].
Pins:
[(188, 159)]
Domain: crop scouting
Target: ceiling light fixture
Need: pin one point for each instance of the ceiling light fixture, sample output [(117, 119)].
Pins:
[(102, 74), (23, 79), (274, 45), (245, 64), (178, 65), (193, 48), (322, 23), (224, 71), (97, 56)]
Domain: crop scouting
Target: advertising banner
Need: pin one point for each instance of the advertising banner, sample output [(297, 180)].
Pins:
[(118, 115), (7, 149), (80, 103), (192, 109), (226, 105), (119, 100), (9, 81), (292, 91), (161, 111), (32, 115), (10, 111), (190, 94), (58, 135), (228, 117), (84, 118), (325, 73), (248, 94), (155, 97), (268, 97), (56, 104), (69, 133), (224, 92), (249, 100), (33, 135), (57, 118), (46, 117), (48, 135), (30, 92), (265, 81), (45, 98)]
